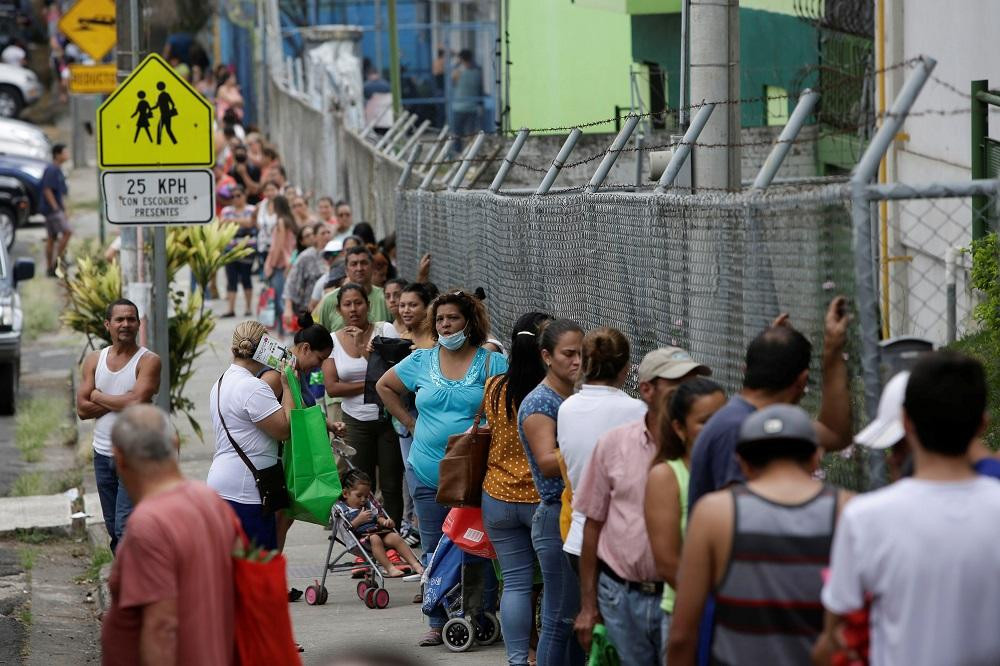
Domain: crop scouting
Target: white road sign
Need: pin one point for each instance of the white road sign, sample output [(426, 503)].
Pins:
[(161, 197)]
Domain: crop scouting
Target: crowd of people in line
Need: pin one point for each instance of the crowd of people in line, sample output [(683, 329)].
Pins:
[(695, 527)]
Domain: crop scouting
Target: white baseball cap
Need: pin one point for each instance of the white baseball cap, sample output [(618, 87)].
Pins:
[(887, 428)]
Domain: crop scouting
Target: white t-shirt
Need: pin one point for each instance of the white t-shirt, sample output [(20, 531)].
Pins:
[(929, 554), (246, 401), (351, 369), (583, 418), (266, 222)]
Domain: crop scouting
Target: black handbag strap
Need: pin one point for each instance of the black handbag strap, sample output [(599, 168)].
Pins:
[(244, 456)]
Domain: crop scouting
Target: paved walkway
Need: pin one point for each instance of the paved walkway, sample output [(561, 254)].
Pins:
[(344, 621)]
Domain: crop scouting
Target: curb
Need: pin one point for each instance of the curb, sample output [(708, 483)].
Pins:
[(98, 538)]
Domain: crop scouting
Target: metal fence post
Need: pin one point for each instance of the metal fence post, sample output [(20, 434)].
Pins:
[(684, 149), (408, 169), (442, 150), (864, 257), (612, 155), (400, 120), (508, 160), (410, 122), (559, 161), (467, 161), (414, 137), (950, 259), (639, 141), (807, 101)]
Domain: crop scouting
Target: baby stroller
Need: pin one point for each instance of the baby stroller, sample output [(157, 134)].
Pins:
[(465, 586), (371, 589)]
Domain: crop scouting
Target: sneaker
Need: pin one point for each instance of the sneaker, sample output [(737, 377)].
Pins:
[(431, 638), (294, 594), (412, 539)]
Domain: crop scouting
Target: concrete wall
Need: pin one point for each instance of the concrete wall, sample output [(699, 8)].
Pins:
[(936, 148)]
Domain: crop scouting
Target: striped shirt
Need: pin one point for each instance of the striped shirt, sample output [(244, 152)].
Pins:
[(767, 608)]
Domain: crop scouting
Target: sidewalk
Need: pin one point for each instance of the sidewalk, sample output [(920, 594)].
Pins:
[(344, 620)]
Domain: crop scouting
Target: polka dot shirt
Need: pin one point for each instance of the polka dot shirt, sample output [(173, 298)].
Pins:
[(508, 476)]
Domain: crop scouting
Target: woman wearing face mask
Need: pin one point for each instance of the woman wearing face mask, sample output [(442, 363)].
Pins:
[(691, 405), (369, 431), (561, 342), (448, 380)]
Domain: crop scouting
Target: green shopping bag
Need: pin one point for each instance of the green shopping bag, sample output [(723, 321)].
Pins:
[(310, 468), (602, 652)]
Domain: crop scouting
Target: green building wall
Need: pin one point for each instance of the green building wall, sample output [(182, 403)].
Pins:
[(776, 49), (570, 64)]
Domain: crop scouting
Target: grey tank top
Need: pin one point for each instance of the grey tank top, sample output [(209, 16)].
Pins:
[(767, 608)]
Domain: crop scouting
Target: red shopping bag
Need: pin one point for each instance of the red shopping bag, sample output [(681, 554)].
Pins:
[(464, 526), (263, 627)]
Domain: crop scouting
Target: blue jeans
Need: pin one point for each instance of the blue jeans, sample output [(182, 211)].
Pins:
[(115, 503), (431, 516), (634, 621), (508, 525), (261, 528), (561, 591), (277, 282)]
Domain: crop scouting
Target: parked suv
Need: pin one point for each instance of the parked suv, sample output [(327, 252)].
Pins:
[(11, 322), (19, 87)]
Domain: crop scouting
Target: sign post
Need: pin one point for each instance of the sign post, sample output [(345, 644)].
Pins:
[(153, 133)]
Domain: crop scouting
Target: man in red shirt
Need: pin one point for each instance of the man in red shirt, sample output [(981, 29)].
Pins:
[(172, 579)]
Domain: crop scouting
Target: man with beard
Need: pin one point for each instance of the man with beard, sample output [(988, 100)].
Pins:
[(112, 379)]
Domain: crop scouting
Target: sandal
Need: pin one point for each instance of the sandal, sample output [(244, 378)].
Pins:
[(431, 638)]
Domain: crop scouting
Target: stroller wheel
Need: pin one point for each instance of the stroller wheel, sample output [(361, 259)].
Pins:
[(370, 597), (458, 634), (362, 588), (312, 595), (381, 598), (487, 629), (323, 595)]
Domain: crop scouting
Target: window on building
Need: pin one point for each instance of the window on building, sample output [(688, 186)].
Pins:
[(775, 105)]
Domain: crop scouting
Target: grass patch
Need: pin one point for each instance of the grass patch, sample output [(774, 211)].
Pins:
[(98, 559), (24, 615), (41, 306), (26, 556), (37, 419), (34, 536), (26, 485)]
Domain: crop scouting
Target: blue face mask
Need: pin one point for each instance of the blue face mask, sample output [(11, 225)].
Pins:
[(454, 341)]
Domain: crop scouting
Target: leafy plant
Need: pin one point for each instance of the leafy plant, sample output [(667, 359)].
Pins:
[(205, 249)]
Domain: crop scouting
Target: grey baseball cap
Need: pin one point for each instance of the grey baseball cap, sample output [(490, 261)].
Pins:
[(779, 423)]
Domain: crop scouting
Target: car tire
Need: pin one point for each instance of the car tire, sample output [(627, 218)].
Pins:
[(8, 226), (8, 388), (10, 101)]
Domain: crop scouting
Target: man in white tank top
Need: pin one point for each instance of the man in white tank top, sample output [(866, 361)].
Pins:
[(112, 379)]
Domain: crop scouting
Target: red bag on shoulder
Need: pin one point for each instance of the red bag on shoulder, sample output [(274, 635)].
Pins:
[(464, 526), (263, 626)]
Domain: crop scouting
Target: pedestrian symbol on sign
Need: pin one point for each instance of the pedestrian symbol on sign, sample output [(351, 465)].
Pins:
[(155, 119)]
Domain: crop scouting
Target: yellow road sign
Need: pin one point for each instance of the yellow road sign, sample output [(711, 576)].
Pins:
[(155, 119), (92, 79), (91, 26)]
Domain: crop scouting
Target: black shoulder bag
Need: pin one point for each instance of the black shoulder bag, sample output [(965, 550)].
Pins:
[(270, 480)]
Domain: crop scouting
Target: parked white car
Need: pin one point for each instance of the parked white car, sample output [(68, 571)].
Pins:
[(22, 132), (19, 87)]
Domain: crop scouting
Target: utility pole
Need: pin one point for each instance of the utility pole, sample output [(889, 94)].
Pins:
[(130, 53), (715, 77), (397, 90)]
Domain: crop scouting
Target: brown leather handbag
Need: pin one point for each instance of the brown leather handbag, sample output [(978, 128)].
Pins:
[(463, 469)]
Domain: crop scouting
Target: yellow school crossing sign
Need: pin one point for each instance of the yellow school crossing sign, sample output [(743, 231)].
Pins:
[(155, 119), (91, 26)]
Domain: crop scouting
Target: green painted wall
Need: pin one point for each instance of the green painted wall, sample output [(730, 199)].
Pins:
[(776, 49), (570, 64)]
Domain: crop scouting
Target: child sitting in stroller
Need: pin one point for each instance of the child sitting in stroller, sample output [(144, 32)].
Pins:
[(373, 530)]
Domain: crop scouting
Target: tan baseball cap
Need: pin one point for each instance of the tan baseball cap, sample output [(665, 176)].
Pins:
[(669, 363)]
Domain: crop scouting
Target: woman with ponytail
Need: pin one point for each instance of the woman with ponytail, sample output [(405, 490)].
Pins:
[(509, 494), (600, 406)]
